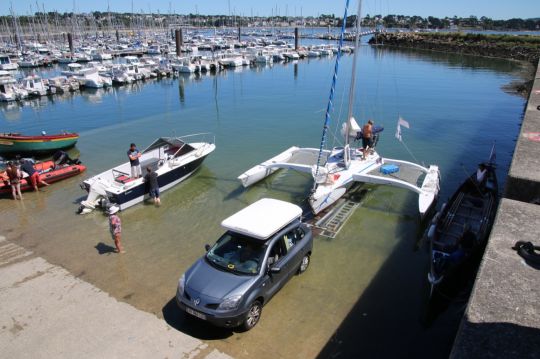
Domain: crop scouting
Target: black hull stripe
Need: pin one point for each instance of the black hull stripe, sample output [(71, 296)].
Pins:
[(163, 180)]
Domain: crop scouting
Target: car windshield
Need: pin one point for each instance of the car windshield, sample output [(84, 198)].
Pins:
[(236, 253)]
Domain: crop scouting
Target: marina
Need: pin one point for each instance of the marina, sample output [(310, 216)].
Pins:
[(247, 101)]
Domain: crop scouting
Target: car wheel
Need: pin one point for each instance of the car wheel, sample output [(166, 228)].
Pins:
[(253, 315), (304, 264)]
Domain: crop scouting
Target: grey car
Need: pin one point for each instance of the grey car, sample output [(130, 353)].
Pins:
[(265, 245)]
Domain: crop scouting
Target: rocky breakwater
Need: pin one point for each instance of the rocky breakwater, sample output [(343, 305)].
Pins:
[(523, 48), (517, 47)]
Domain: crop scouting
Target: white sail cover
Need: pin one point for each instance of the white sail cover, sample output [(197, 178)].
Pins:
[(354, 128)]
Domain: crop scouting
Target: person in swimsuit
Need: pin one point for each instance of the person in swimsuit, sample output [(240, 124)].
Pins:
[(14, 175)]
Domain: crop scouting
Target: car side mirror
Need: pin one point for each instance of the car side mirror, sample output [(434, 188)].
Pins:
[(207, 247), (275, 269)]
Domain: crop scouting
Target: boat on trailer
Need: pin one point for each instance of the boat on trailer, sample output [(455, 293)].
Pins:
[(173, 159), (335, 171), (460, 230)]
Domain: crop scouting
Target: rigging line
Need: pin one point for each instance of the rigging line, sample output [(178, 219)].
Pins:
[(332, 90), (408, 150), (336, 128)]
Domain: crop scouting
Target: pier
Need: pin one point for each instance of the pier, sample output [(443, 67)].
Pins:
[(503, 315)]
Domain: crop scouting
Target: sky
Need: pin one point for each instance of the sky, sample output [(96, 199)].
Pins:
[(495, 9)]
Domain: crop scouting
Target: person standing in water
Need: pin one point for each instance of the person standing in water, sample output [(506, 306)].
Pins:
[(14, 175), (153, 187), (115, 225), (33, 175), (134, 155)]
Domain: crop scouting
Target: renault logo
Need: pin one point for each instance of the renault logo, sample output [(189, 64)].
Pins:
[(197, 301)]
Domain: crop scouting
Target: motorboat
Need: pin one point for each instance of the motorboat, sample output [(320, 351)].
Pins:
[(120, 76), (64, 84), (73, 69), (335, 170), (9, 91), (173, 159), (6, 64), (154, 50), (100, 55), (36, 86), (90, 77), (460, 230), (29, 63)]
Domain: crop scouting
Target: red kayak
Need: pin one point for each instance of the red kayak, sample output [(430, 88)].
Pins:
[(46, 173)]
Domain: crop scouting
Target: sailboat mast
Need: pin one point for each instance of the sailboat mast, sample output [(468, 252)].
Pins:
[(353, 75), (332, 91)]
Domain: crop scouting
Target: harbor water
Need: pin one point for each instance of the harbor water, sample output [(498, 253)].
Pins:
[(366, 290)]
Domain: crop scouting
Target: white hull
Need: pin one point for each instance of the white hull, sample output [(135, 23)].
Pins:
[(334, 179), (173, 161)]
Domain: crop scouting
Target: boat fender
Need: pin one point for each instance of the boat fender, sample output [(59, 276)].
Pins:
[(529, 252), (431, 232)]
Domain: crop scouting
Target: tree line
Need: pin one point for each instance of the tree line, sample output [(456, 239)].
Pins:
[(431, 22)]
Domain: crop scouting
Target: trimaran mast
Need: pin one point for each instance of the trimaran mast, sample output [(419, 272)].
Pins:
[(333, 87), (331, 98), (353, 75)]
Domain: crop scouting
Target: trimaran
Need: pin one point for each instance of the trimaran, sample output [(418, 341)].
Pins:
[(334, 171)]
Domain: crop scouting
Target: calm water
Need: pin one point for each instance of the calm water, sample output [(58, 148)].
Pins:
[(370, 280)]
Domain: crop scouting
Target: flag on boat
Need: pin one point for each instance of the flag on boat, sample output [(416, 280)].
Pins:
[(401, 122)]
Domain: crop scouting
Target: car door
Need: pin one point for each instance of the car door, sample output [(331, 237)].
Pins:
[(295, 248), (277, 258)]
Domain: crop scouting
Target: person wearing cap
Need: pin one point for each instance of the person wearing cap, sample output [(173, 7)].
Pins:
[(134, 155), (14, 175), (115, 225)]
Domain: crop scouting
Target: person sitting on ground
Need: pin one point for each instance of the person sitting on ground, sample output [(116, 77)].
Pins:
[(134, 155), (33, 175), (151, 179), (14, 175)]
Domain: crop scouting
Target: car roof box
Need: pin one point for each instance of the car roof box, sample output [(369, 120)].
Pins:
[(263, 218)]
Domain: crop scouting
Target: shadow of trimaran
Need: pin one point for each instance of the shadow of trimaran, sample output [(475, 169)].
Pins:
[(335, 171)]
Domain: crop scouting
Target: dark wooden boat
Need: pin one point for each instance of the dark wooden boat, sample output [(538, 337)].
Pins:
[(460, 230), (16, 143)]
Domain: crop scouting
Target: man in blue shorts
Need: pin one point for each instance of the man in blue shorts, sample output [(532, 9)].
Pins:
[(152, 180)]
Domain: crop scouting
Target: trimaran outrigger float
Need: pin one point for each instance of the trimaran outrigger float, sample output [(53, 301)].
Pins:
[(334, 171)]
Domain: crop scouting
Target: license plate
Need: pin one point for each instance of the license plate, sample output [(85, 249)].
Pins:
[(195, 313)]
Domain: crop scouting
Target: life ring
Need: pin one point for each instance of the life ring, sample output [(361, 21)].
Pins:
[(528, 252)]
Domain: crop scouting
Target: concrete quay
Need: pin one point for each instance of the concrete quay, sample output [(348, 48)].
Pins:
[(523, 183), (502, 319), (48, 313)]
